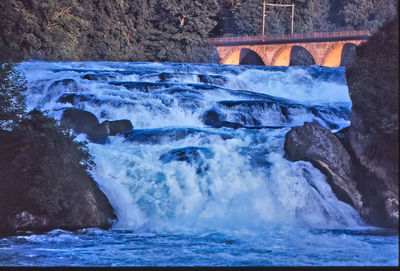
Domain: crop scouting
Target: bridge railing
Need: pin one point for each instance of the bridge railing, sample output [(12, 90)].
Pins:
[(289, 37)]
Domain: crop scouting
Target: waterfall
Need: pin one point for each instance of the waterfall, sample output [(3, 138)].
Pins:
[(206, 151)]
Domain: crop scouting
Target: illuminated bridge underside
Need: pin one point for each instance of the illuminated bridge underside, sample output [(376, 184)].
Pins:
[(325, 48)]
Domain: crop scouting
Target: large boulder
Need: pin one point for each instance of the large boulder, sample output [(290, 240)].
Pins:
[(66, 85), (373, 137), (315, 144), (117, 126), (84, 122), (44, 183)]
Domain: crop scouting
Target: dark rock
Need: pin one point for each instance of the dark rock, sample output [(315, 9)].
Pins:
[(373, 137), (341, 135), (142, 86), (229, 124), (74, 99), (67, 85), (156, 136), (165, 76), (84, 122), (315, 144), (97, 77), (187, 154), (117, 126), (212, 79), (191, 155), (212, 118), (44, 183), (79, 120)]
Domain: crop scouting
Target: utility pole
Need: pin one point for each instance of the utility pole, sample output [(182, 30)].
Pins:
[(263, 29), (292, 18), (278, 5)]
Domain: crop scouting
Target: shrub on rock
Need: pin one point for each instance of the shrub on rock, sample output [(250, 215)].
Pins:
[(44, 183)]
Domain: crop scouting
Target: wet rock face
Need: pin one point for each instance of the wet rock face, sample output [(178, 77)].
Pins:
[(85, 122), (117, 126), (68, 85), (187, 154), (44, 183), (74, 98), (373, 81), (315, 144)]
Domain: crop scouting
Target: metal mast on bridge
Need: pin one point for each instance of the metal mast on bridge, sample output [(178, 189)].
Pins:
[(277, 5)]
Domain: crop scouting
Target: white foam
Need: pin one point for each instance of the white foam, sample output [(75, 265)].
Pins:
[(246, 185), (294, 84)]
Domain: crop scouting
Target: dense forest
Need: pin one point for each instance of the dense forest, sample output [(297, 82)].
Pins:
[(163, 30)]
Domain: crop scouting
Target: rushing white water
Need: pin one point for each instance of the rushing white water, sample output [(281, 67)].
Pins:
[(184, 169)]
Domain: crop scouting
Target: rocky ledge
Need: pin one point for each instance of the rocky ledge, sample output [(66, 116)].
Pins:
[(362, 167), (44, 183), (373, 136), (81, 121)]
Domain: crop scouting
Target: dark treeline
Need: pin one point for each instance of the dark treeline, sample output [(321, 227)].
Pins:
[(163, 30), (244, 17), (120, 30)]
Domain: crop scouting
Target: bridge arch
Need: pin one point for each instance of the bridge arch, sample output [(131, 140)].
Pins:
[(301, 55), (282, 55), (333, 56), (251, 57), (236, 54)]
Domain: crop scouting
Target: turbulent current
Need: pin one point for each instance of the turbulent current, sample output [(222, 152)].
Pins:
[(202, 179)]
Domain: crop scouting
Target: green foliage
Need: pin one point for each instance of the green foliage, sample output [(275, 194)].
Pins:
[(248, 17), (44, 182), (12, 106), (123, 30), (39, 158), (177, 31), (244, 17), (368, 14), (44, 29)]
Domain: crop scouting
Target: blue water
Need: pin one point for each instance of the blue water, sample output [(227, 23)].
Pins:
[(279, 246), (203, 179)]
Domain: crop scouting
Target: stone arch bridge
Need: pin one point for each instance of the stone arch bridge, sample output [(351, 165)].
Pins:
[(326, 48)]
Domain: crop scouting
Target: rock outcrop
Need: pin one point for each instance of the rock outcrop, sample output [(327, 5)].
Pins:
[(373, 137), (315, 144), (85, 122), (117, 126), (44, 183), (361, 162)]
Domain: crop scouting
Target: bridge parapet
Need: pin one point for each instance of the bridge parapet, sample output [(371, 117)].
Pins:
[(289, 38)]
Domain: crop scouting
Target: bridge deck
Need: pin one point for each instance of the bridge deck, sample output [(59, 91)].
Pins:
[(292, 38)]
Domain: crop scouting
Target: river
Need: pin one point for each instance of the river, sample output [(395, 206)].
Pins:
[(203, 179)]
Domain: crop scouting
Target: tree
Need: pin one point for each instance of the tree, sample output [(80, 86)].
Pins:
[(368, 14), (309, 16), (178, 30), (12, 106), (41, 29)]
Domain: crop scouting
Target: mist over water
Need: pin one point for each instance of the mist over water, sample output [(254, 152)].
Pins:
[(187, 187)]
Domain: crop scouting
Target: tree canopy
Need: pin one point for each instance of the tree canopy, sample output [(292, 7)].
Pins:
[(164, 30), (244, 17)]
